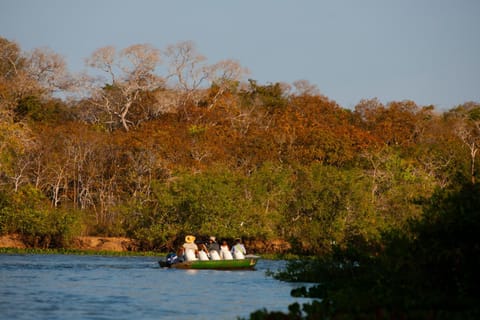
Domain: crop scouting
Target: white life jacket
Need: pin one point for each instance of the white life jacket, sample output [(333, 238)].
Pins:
[(226, 255), (214, 255), (190, 255), (202, 255), (238, 255)]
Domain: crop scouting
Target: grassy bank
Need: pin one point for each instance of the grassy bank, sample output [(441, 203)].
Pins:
[(79, 252)]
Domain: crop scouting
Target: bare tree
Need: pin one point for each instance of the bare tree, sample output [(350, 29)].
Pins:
[(191, 71), (104, 59), (223, 74), (470, 136), (11, 59), (48, 69), (15, 81), (467, 128), (304, 87), (131, 72), (187, 66)]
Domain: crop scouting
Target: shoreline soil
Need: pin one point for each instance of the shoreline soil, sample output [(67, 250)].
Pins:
[(117, 244), (122, 244)]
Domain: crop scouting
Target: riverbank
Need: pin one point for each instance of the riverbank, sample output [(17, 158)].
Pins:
[(121, 244), (114, 244)]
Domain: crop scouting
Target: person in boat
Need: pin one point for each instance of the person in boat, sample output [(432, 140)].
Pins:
[(190, 248), (213, 248), (203, 252), (238, 249), (225, 253)]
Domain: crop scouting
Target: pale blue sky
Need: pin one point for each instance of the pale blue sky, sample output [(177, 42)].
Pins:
[(427, 51)]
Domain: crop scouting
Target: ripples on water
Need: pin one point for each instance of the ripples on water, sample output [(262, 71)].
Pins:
[(99, 287)]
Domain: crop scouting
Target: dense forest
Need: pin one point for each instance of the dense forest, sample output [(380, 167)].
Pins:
[(153, 144)]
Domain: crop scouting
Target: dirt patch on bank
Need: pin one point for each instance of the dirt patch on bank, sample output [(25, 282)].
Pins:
[(104, 244), (12, 241), (81, 243), (270, 246)]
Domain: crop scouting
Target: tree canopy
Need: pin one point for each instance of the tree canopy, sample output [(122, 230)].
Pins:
[(153, 144)]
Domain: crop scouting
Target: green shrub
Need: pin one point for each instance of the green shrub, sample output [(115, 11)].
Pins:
[(426, 271), (27, 212)]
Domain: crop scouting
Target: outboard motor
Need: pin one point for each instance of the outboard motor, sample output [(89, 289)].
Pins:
[(171, 259)]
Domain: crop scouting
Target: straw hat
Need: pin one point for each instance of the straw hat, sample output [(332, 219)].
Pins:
[(212, 238), (189, 239)]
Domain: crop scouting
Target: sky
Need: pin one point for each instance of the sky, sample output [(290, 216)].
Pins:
[(427, 51)]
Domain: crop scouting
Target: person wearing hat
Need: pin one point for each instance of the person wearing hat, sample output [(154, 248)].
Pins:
[(190, 249), (213, 248)]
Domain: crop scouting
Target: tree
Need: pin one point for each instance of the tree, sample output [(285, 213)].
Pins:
[(304, 87), (131, 74), (438, 151), (16, 143), (11, 59), (467, 128), (15, 137), (15, 81), (318, 205), (427, 269), (48, 69), (189, 71), (186, 65), (269, 97), (224, 76)]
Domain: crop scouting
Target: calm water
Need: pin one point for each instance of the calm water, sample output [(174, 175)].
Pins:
[(98, 287)]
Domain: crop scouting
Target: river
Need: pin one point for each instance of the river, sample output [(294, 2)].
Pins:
[(35, 286)]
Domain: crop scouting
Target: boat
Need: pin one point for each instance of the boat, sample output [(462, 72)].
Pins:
[(236, 264)]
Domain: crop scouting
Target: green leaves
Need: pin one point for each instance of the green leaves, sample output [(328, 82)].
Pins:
[(429, 267), (212, 202), (27, 212)]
